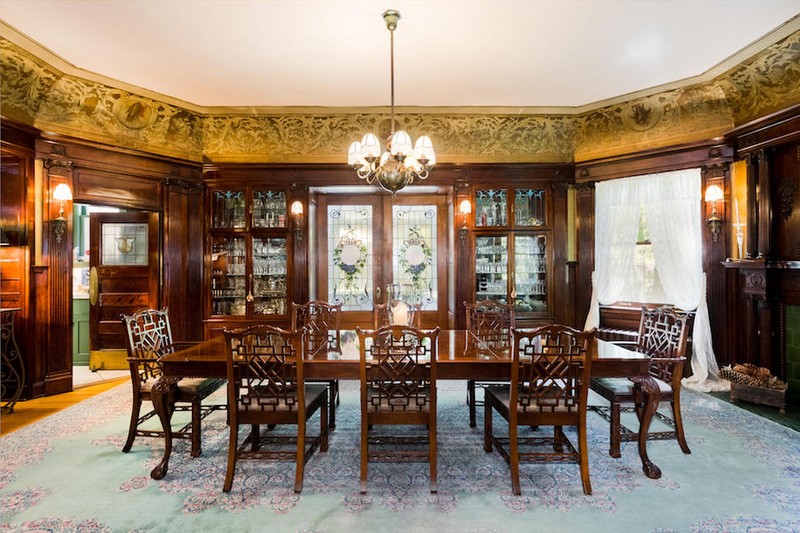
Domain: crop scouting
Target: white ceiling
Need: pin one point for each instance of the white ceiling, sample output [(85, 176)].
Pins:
[(512, 54)]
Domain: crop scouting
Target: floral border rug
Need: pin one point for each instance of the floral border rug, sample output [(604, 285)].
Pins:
[(67, 473)]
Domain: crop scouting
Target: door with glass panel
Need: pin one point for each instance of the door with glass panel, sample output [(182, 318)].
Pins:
[(378, 248), (123, 275)]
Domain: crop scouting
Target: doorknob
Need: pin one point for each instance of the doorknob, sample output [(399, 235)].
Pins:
[(93, 286), (377, 294)]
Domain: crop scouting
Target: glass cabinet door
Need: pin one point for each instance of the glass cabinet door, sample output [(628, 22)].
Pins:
[(491, 268), (269, 276), (530, 273), (228, 276), (227, 209), (490, 207), (269, 209), (529, 207)]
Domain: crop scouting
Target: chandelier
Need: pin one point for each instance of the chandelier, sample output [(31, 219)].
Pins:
[(400, 164)]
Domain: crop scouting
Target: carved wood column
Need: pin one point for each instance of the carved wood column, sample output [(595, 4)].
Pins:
[(715, 252), (563, 300), (57, 250), (182, 289), (464, 278), (584, 237), (764, 199), (752, 205)]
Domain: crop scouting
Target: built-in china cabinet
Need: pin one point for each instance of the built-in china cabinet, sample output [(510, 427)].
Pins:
[(249, 252), (513, 255)]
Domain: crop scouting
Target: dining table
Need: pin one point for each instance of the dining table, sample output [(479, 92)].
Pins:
[(460, 356)]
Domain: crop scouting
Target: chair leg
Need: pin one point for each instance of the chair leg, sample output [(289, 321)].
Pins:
[(137, 406), (338, 399), (471, 403), (255, 437), (364, 455), (323, 425), (487, 426), (301, 455), (513, 446), (432, 454), (676, 416), (558, 439), (614, 436), (196, 445), (333, 400), (584, 451), (233, 444)]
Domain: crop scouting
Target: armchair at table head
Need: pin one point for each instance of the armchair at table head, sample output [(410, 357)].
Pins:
[(663, 335), (148, 338)]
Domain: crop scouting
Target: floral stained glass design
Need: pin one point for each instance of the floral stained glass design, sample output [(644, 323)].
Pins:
[(350, 261), (414, 237)]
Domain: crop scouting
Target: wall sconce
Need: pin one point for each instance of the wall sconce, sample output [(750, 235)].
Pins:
[(713, 195), (62, 193), (297, 216), (464, 208)]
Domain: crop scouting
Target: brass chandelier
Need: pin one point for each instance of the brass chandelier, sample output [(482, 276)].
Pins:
[(400, 164)]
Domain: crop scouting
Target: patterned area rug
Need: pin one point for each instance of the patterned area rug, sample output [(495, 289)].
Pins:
[(67, 473)]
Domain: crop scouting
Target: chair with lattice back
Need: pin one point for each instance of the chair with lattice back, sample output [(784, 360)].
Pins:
[(550, 374), (489, 326), (322, 322), (663, 336), (266, 386), (149, 337), (398, 387)]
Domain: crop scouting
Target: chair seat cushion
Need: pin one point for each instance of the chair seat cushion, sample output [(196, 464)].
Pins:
[(266, 402), (623, 386), (503, 396), (189, 386), (417, 401)]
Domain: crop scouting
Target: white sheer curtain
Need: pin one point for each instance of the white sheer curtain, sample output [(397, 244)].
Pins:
[(671, 201), (616, 225)]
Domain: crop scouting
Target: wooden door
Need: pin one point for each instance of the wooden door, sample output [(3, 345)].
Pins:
[(370, 245), (124, 273)]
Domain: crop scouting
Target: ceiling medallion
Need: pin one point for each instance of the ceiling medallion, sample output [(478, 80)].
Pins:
[(400, 164)]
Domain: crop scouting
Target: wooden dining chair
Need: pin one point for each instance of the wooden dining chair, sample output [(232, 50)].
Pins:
[(550, 374), (489, 326), (266, 387), (148, 338), (663, 336), (322, 322), (398, 386)]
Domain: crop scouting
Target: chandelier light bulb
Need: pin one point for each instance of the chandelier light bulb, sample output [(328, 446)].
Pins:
[(401, 144)]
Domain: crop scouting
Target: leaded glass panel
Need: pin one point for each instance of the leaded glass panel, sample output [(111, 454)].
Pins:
[(414, 247), (350, 257), (124, 244)]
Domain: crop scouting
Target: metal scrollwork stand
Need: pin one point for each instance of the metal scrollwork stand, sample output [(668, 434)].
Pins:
[(12, 373)]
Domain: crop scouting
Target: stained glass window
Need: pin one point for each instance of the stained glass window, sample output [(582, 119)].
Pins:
[(350, 256), (414, 254), (124, 244)]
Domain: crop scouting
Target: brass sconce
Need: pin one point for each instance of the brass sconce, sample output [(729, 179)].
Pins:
[(62, 193), (297, 216), (464, 208), (713, 196)]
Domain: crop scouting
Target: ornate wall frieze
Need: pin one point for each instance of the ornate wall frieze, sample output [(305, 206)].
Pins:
[(39, 95)]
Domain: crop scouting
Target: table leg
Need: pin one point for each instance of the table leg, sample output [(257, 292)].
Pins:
[(646, 395), (163, 397)]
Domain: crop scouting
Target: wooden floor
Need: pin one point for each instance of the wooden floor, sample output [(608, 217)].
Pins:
[(30, 411)]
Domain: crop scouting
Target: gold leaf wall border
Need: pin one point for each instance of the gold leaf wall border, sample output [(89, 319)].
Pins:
[(37, 94)]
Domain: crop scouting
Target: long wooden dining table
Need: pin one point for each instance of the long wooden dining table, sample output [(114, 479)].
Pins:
[(459, 356)]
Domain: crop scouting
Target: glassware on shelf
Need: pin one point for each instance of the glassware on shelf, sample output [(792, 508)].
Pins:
[(490, 207), (269, 209), (491, 268), (529, 207), (530, 273), (228, 209)]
